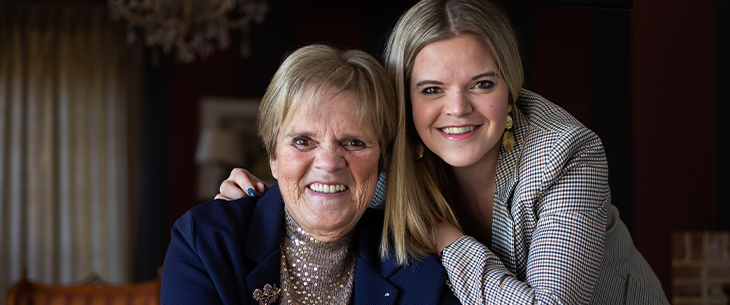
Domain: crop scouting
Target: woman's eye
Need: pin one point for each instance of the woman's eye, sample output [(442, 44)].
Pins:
[(485, 84), (432, 90), (302, 142), (355, 144)]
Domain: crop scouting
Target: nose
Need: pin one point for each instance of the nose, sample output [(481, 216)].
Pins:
[(457, 104), (330, 160)]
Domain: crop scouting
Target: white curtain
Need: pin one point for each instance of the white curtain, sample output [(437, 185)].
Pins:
[(65, 92)]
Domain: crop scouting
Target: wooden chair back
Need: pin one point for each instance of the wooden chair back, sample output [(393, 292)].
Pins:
[(93, 292)]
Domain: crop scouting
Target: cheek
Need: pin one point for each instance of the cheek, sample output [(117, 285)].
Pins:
[(494, 113), (364, 166), (365, 171), (289, 168), (423, 115), (494, 108)]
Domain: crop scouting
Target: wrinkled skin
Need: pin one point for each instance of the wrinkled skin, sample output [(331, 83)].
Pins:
[(322, 144)]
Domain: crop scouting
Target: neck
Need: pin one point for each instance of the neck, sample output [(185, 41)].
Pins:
[(476, 186), (325, 268), (477, 178)]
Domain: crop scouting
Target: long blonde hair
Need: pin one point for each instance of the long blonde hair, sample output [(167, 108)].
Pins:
[(415, 189)]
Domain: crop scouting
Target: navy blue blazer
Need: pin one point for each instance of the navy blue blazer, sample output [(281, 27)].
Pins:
[(222, 251)]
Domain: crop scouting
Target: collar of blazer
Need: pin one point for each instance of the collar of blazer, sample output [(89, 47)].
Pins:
[(377, 281)]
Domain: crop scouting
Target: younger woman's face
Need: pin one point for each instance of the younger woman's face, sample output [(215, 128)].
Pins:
[(459, 100)]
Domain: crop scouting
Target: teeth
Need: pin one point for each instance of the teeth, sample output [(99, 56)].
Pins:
[(457, 130), (329, 189)]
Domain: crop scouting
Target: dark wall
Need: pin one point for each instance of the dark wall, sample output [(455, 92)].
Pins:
[(673, 126), (721, 30), (650, 87)]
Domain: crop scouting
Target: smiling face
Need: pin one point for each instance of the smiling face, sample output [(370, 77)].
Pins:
[(459, 101), (326, 164)]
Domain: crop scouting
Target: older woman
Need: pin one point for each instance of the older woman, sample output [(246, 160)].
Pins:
[(326, 121)]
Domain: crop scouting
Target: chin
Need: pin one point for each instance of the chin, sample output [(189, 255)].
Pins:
[(459, 160), (330, 218), (458, 164)]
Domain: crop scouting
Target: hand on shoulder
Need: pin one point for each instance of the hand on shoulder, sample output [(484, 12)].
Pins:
[(241, 183)]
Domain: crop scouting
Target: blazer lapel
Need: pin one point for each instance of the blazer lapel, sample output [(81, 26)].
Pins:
[(261, 246), (381, 281), (265, 272), (507, 177), (371, 285), (510, 159)]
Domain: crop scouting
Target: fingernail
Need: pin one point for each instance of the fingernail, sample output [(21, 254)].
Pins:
[(250, 192)]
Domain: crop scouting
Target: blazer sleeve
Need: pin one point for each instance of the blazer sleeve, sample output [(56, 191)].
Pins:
[(185, 279), (568, 194)]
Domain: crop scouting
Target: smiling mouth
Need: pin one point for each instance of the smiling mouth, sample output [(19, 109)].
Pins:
[(458, 130), (327, 189)]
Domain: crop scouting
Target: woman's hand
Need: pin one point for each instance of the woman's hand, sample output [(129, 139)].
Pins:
[(239, 184), (445, 234)]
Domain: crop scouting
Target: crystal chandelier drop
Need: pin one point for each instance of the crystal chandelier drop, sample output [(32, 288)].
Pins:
[(190, 26)]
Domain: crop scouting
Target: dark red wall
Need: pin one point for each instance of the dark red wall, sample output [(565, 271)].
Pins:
[(215, 76), (673, 125), (560, 57), (672, 110)]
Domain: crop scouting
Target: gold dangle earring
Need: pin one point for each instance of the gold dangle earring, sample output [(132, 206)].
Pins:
[(418, 152), (508, 140)]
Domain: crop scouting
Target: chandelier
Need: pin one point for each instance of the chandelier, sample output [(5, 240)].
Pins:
[(190, 26)]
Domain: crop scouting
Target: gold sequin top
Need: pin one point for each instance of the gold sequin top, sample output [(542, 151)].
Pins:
[(315, 272)]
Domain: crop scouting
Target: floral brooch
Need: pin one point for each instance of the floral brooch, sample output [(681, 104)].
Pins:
[(268, 296)]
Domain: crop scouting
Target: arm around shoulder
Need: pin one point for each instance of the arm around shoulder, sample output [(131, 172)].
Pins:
[(558, 214)]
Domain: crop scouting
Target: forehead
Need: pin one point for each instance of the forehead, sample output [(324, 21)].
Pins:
[(463, 52), (329, 109)]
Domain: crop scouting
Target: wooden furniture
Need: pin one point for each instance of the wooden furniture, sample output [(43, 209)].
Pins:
[(93, 292)]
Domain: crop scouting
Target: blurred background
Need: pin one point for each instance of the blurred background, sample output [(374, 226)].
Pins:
[(104, 142)]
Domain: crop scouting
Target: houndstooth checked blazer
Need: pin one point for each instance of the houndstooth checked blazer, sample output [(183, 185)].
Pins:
[(556, 237)]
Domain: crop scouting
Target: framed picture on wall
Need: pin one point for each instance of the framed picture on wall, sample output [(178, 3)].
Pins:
[(227, 139)]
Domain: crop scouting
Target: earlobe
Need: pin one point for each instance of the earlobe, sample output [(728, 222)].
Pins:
[(274, 168)]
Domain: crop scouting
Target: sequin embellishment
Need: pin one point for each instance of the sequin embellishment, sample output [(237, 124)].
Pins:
[(315, 272)]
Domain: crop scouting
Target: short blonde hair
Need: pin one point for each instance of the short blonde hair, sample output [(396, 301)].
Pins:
[(415, 193), (317, 68)]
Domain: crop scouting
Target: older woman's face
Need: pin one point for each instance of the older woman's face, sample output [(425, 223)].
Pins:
[(326, 165)]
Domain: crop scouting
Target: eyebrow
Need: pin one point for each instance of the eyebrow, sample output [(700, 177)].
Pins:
[(298, 134), (348, 136), (492, 74), (433, 82), (428, 82)]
